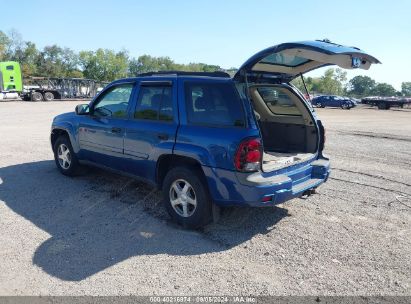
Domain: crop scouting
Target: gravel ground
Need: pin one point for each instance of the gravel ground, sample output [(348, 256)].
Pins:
[(103, 234)]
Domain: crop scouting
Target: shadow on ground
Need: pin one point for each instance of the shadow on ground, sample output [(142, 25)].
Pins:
[(100, 219)]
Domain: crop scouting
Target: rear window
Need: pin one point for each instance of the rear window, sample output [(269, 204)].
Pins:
[(10, 68), (215, 104), (278, 102), (285, 60)]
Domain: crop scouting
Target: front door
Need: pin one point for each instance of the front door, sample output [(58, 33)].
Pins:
[(101, 134)]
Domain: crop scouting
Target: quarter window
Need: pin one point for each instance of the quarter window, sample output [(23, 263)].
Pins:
[(154, 103), (278, 101), (114, 102)]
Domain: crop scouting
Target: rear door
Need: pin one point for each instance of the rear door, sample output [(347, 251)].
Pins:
[(286, 61), (152, 127)]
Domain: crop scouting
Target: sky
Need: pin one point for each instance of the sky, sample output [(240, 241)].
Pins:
[(222, 32)]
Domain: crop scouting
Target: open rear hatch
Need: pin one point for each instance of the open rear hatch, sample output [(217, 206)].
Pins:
[(289, 130), (287, 61)]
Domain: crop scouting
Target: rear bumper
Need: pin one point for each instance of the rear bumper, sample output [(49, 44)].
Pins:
[(261, 189)]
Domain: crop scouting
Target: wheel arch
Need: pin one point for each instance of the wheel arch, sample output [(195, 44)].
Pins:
[(167, 161), (58, 131)]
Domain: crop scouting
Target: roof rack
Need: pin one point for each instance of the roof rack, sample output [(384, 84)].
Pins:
[(183, 73)]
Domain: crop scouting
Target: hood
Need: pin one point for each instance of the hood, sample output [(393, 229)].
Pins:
[(64, 116)]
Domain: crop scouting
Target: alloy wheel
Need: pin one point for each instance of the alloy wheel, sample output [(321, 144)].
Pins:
[(64, 156), (183, 198)]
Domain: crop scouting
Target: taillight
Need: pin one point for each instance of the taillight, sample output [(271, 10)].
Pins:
[(248, 155)]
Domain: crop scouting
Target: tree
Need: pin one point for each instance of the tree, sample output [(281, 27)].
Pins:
[(406, 89), (361, 86), (147, 63), (15, 43), (50, 61), (383, 89), (4, 44), (310, 83), (28, 59), (104, 65), (331, 82)]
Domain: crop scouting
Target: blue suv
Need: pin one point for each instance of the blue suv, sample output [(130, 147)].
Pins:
[(206, 139)]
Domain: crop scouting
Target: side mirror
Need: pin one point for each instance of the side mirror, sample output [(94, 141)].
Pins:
[(82, 109)]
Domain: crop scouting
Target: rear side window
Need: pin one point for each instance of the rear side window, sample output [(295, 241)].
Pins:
[(216, 104), (155, 103), (278, 101)]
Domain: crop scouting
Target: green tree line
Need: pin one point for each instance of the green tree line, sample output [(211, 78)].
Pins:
[(102, 64), (108, 65), (334, 82)]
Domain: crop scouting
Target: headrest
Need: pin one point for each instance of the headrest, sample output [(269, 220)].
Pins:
[(167, 102), (156, 99), (200, 103)]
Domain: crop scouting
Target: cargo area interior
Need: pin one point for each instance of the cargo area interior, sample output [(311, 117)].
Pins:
[(288, 131)]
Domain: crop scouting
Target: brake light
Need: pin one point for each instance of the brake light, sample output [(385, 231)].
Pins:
[(248, 155)]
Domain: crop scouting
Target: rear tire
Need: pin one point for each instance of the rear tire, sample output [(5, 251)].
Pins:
[(36, 96), (64, 156), (383, 106), (186, 197), (48, 96)]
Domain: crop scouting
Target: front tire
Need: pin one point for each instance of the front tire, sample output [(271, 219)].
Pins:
[(36, 96), (64, 156), (186, 197)]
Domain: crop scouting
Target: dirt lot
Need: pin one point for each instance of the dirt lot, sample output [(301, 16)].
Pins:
[(102, 234)]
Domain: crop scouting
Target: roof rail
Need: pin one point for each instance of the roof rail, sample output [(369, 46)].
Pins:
[(184, 73)]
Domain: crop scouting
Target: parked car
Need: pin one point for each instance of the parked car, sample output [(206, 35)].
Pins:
[(208, 140), (354, 100), (333, 101)]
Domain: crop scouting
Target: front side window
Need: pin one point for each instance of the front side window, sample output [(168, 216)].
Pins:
[(155, 103), (114, 102), (279, 101), (213, 104)]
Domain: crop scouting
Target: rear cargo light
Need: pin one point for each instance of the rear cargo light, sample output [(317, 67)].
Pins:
[(248, 155)]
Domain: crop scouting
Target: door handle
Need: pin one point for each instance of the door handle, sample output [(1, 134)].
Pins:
[(115, 130), (162, 136)]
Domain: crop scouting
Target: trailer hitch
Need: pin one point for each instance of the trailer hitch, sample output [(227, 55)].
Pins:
[(307, 193)]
